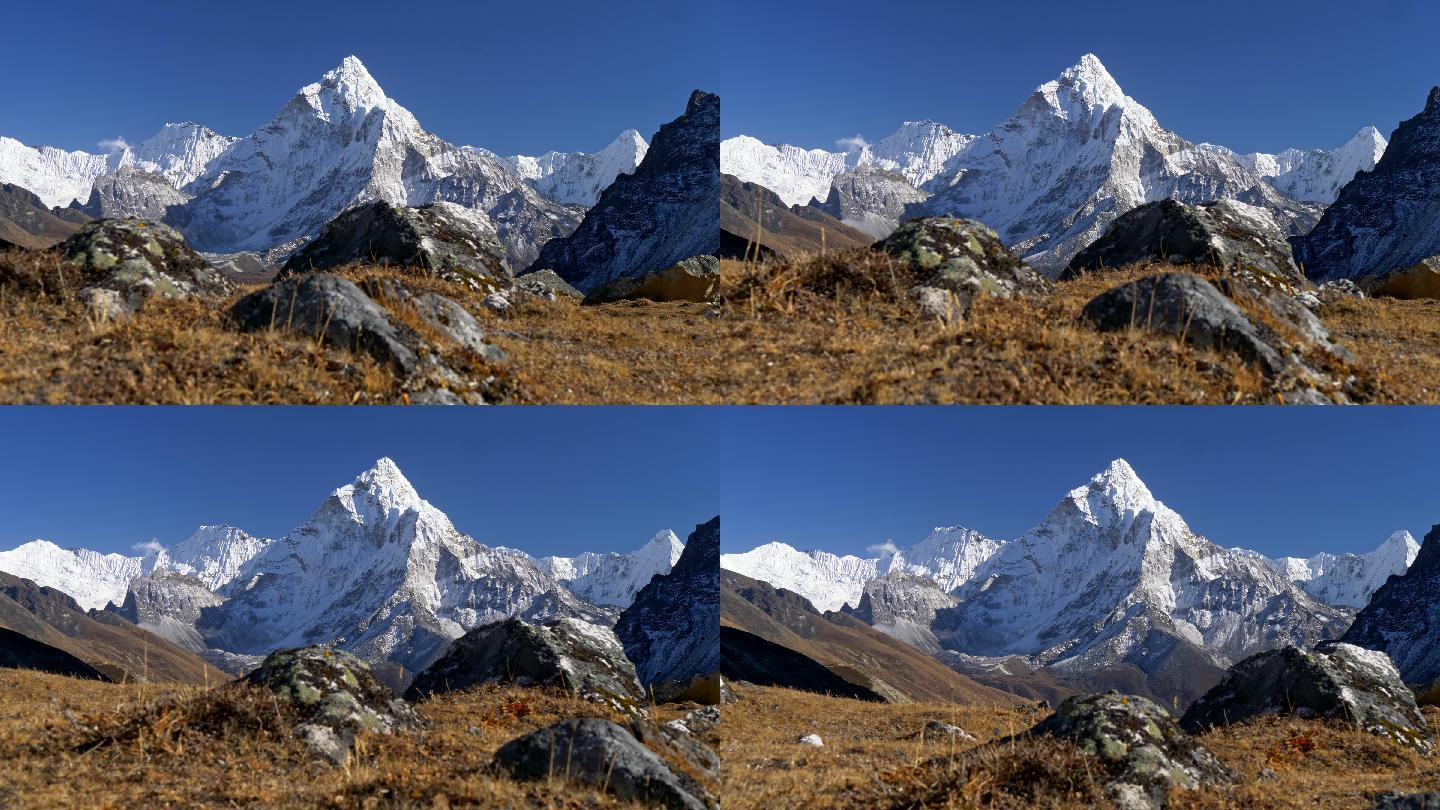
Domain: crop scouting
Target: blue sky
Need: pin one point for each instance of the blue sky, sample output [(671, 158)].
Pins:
[(545, 480), (1276, 480), (1254, 76), (512, 77)]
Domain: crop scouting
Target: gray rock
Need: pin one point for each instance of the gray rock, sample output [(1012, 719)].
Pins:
[(1225, 233), (1421, 280), (132, 192), (443, 239), (1413, 801), (1340, 288), (335, 696), (813, 740), (139, 259), (329, 306), (940, 305), (582, 658), (546, 284), (601, 753), (963, 257), (451, 321), (936, 729), (677, 743), (497, 301), (1138, 742), (700, 720), (694, 279), (1185, 305), (1336, 680)]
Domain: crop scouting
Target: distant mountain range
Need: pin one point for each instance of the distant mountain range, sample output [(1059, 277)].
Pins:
[(376, 570), (1112, 587), (1073, 157), (338, 142)]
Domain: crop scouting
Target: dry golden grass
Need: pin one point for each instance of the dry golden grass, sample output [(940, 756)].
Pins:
[(873, 758), (71, 743), (53, 350), (839, 329)]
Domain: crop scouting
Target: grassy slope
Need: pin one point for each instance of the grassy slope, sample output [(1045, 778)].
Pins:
[(840, 330), (48, 758), (873, 758), (185, 352)]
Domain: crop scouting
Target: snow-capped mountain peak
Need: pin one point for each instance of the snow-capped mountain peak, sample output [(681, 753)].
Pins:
[(1115, 495), (1087, 84), (344, 92), (577, 178), (91, 578), (1349, 580), (214, 555), (380, 493), (612, 578)]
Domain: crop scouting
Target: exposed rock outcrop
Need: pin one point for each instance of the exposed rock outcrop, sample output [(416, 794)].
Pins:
[(1224, 233), (442, 239), (582, 658), (131, 260), (1335, 680)]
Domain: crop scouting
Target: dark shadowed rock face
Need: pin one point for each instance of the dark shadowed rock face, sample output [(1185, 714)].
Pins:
[(599, 752), (132, 260), (1336, 680), (672, 629), (955, 260), (666, 211), (1139, 744), (695, 279), (1185, 305), (443, 239), (1413, 801), (334, 695), (1402, 619), (1225, 233), (582, 658), (1384, 219), (132, 192)]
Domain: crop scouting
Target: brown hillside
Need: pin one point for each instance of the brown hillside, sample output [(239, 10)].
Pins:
[(850, 648), (784, 231), (115, 647)]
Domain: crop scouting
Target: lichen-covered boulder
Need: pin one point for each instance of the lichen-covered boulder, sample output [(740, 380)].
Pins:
[(335, 696), (1334, 681), (962, 257), (1421, 280), (694, 279), (1224, 233), (601, 753), (1138, 743), (135, 260), (582, 658), (546, 284), (443, 239)]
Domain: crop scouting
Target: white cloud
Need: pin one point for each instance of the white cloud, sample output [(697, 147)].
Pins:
[(151, 546), (884, 549), (115, 144), (855, 142)]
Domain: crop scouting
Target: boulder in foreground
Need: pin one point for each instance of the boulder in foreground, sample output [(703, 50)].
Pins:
[(582, 658), (443, 239), (335, 695), (956, 260), (1335, 680), (1140, 745), (595, 751), (123, 262)]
